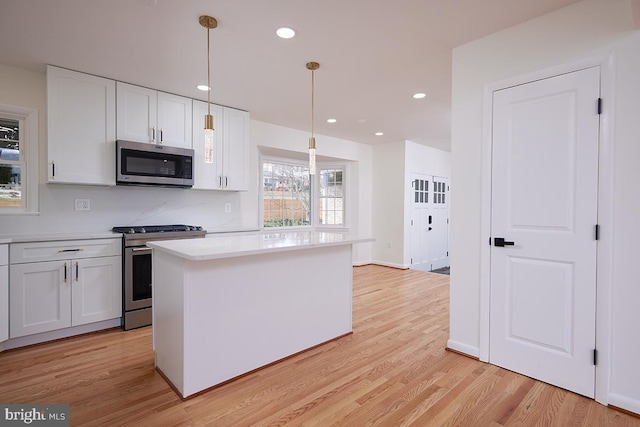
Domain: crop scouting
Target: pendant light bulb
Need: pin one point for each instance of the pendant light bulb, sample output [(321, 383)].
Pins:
[(208, 138), (209, 23), (312, 156), (312, 141)]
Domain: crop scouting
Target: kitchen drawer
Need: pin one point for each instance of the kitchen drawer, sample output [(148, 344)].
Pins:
[(4, 254), (21, 253)]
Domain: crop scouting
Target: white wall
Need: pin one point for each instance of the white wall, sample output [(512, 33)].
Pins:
[(388, 202), (393, 165), (572, 33), (122, 205)]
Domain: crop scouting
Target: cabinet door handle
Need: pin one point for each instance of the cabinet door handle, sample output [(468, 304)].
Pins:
[(153, 134), (161, 136), (226, 181), (220, 177), (70, 250), (53, 169), (65, 272), (76, 271)]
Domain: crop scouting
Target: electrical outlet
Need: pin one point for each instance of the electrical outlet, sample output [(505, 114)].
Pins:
[(227, 207), (82, 204)]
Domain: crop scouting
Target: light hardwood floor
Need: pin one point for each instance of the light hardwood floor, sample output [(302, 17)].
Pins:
[(392, 371)]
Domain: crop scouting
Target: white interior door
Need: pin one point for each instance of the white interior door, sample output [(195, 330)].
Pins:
[(544, 205), (438, 235), (421, 186)]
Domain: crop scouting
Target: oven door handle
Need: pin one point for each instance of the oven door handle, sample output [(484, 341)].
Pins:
[(141, 250)]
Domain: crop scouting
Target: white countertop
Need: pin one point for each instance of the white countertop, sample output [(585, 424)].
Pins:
[(46, 237), (86, 235), (217, 247)]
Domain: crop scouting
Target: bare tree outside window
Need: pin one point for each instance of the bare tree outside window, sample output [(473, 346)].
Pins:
[(286, 195)]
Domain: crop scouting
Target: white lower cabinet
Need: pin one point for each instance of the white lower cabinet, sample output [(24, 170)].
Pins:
[(82, 288), (4, 294)]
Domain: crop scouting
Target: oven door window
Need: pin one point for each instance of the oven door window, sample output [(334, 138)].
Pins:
[(141, 265)]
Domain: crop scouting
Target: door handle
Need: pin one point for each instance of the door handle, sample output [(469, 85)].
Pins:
[(500, 242)]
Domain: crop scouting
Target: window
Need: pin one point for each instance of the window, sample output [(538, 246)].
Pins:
[(331, 197), (11, 163), (286, 194), (18, 150)]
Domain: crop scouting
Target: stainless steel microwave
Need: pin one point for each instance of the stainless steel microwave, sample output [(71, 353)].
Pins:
[(139, 163)]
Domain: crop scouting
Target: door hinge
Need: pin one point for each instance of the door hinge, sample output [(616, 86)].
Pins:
[(595, 357), (597, 231), (599, 105)]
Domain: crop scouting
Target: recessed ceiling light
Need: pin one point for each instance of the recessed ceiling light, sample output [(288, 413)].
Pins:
[(419, 95), (379, 133), (285, 32), (331, 120), (203, 87)]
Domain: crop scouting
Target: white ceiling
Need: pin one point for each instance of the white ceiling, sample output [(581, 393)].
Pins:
[(373, 54)]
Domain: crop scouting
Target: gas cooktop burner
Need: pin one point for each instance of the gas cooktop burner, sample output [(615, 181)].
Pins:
[(156, 229)]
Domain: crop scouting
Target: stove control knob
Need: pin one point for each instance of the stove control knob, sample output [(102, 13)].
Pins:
[(132, 231), (199, 228), (142, 230)]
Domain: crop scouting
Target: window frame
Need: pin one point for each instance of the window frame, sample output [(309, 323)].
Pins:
[(29, 139), (315, 193), (290, 162), (345, 195)]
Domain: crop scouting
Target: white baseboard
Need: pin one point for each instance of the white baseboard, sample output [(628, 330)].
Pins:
[(625, 403), (390, 264), (60, 333), (463, 348)]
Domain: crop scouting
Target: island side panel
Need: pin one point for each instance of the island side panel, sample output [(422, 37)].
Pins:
[(168, 316), (246, 312)]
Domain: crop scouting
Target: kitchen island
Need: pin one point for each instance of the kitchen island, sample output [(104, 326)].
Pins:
[(227, 305)]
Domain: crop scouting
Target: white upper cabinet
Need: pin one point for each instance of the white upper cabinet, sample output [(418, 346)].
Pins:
[(81, 127), (147, 115), (174, 120), (231, 146), (137, 109), (235, 149)]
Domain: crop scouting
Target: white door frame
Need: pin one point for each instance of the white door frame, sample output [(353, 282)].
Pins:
[(606, 62)]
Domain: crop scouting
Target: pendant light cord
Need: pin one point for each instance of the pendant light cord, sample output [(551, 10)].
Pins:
[(208, 73), (312, 100)]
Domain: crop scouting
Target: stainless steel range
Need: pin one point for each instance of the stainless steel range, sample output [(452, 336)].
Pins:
[(137, 267)]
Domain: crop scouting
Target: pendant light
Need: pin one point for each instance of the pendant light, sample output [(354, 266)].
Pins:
[(313, 66), (209, 23)]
